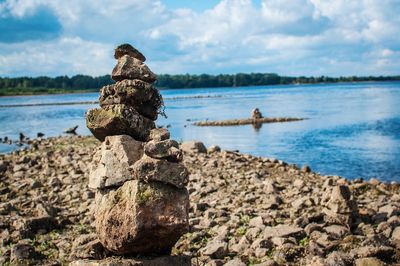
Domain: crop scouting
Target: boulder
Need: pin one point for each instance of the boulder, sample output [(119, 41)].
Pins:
[(130, 92), (118, 119), (142, 218), (193, 146), (118, 153), (150, 169), (127, 49), (165, 149), (129, 67)]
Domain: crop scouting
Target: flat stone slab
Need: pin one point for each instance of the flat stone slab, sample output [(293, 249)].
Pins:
[(118, 119), (129, 67), (283, 231), (158, 261)]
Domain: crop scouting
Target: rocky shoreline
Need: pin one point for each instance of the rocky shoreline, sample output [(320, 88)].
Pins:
[(244, 210)]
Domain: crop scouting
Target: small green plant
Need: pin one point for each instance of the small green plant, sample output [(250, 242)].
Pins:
[(241, 231), (244, 219), (304, 242)]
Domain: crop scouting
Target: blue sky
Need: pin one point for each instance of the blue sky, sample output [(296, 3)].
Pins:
[(288, 37)]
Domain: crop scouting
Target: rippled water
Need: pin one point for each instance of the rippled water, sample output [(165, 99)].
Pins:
[(353, 130)]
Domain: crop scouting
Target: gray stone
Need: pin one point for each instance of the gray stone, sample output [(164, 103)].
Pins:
[(216, 249), (337, 231), (23, 252), (165, 149), (163, 171), (235, 262), (193, 146), (369, 262), (396, 233), (283, 231), (117, 155)]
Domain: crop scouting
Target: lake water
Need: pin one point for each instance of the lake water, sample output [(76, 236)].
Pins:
[(353, 130)]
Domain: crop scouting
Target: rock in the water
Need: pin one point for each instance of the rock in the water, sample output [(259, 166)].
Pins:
[(118, 154), (150, 169), (193, 146), (118, 119), (166, 149), (142, 217), (130, 92), (131, 68)]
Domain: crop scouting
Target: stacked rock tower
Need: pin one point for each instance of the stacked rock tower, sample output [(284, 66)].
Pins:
[(141, 200)]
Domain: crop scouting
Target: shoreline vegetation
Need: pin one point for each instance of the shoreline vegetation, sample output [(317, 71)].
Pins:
[(244, 210), (75, 84)]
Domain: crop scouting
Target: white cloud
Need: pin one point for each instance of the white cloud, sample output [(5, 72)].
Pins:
[(304, 37)]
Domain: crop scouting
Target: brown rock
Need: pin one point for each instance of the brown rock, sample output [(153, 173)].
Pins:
[(130, 92), (142, 218), (118, 119), (163, 171), (166, 149), (118, 154), (127, 49), (131, 68), (159, 134)]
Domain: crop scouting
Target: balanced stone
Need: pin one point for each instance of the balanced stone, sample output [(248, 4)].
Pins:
[(131, 92), (142, 217), (165, 149), (150, 169), (131, 68), (159, 134), (127, 49), (118, 119), (112, 167)]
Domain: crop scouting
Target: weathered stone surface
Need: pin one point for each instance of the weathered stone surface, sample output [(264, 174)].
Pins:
[(127, 49), (118, 153), (131, 68), (130, 92), (23, 252), (166, 149), (159, 134), (118, 119), (87, 247), (193, 146), (283, 231), (163, 171), (142, 217), (368, 262), (216, 249), (341, 207), (158, 261)]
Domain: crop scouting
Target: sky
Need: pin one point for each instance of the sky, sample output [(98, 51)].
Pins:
[(287, 37)]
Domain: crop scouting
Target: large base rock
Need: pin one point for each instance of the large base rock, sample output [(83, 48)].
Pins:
[(118, 153), (158, 261), (118, 119), (142, 218)]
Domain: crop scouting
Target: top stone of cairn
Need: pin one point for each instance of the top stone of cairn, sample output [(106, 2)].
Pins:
[(127, 49)]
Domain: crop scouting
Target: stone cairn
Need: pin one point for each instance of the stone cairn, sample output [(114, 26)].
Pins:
[(141, 200)]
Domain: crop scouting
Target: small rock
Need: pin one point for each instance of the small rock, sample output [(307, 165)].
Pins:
[(368, 262), (159, 134), (193, 146), (213, 148), (23, 252), (216, 249), (235, 262)]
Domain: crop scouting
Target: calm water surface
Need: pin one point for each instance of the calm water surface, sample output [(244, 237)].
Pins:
[(353, 129)]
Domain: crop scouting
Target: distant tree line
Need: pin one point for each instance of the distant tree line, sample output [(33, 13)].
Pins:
[(88, 83)]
